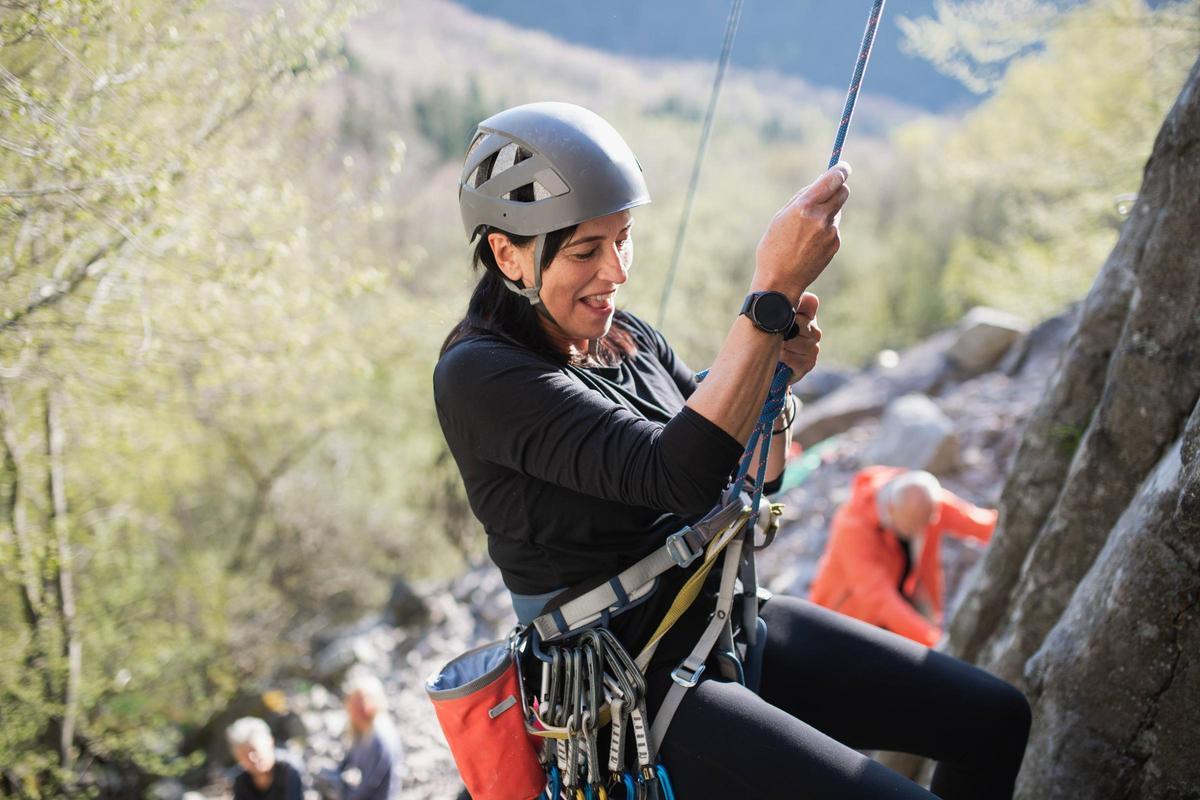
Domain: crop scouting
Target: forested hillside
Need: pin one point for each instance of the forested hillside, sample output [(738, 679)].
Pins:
[(810, 39), (230, 248)]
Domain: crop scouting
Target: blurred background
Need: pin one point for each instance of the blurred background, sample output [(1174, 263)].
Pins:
[(230, 248)]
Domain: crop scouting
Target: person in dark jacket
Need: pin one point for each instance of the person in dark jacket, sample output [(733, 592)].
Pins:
[(584, 440), (264, 776), (373, 766)]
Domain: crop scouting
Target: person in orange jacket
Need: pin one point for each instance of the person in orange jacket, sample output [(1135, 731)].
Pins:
[(883, 563)]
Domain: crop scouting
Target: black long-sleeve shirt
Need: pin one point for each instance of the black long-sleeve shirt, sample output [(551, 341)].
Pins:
[(576, 472)]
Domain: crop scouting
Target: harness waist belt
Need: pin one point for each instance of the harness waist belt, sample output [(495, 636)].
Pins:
[(680, 549)]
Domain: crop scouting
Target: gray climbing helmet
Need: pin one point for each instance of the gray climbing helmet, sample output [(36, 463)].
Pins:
[(540, 167)]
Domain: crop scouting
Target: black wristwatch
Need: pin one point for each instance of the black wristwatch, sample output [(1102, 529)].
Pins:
[(771, 312)]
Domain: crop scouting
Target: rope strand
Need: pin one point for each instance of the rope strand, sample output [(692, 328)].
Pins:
[(860, 68), (731, 26)]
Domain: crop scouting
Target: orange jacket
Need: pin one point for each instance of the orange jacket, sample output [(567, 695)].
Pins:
[(859, 574)]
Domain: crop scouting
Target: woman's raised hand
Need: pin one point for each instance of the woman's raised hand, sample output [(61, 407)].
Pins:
[(800, 352), (803, 236)]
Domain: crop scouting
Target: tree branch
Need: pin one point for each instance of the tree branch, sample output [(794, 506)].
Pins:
[(31, 598), (72, 647), (263, 484)]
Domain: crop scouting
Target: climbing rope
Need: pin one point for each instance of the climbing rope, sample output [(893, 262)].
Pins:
[(760, 437), (731, 25), (860, 67)]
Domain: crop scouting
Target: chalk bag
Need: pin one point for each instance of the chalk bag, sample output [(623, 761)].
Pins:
[(477, 698)]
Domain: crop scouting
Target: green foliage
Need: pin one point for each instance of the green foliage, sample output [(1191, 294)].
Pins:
[(1037, 169), (215, 304), (448, 118)]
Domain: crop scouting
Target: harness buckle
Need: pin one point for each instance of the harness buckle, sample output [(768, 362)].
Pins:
[(686, 677), (679, 549)]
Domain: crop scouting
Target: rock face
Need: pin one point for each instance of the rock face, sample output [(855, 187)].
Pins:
[(915, 433), (1150, 630), (1089, 597)]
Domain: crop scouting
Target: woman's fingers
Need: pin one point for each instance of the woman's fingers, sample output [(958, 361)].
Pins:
[(807, 307), (800, 353), (823, 189), (803, 236)]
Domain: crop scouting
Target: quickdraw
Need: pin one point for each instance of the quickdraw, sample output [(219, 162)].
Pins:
[(584, 682)]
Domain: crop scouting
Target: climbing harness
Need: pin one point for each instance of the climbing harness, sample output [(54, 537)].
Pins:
[(515, 735), (588, 680)]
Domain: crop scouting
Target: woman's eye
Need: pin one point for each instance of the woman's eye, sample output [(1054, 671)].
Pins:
[(584, 256)]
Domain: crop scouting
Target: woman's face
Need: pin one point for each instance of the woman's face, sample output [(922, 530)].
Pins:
[(579, 287)]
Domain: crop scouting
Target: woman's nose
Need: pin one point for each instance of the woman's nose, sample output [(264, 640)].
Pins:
[(617, 261)]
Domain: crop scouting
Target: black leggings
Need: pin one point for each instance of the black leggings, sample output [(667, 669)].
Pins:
[(831, 686)]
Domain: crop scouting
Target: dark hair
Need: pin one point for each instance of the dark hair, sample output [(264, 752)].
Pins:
[(494, 308)]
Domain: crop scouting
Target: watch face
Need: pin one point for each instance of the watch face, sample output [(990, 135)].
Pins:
[(773, 312)]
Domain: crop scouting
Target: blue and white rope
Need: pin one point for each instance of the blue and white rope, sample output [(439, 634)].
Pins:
[(760, 437), (860, 67)]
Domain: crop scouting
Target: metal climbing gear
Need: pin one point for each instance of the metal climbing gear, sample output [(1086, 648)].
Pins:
[(587, 681)]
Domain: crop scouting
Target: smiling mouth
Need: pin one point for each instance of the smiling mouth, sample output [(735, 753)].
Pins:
[(599, 301)]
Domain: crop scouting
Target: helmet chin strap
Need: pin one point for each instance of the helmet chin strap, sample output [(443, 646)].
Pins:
[(534, 293)]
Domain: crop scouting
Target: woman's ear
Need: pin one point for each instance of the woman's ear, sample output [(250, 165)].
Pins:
[(508, 257)]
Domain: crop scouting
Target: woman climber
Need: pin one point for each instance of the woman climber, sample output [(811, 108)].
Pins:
[(584, 442)]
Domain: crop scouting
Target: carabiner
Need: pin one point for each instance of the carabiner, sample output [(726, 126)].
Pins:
[(631, 788)]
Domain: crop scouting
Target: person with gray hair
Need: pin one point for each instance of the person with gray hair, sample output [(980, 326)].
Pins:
[(373, 766), (882, 563), (263, 775)]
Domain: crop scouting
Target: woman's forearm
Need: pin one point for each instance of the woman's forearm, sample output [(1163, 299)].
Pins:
[(796, 247), (732, 395)]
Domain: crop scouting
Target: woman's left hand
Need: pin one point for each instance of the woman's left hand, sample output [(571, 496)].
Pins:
[(800, 353)]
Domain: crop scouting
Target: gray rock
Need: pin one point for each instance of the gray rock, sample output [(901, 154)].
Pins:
[(334, 660), (922, 368), (915, 433), (405, 608), (1045, 342), (820, 382), (983, 335), (166, 789)]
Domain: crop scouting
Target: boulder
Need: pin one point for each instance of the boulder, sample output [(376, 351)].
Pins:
[(820, 382), (915, 433), (921, 368), (1045, 342), (166, 789), (405, 608), (982, 337)]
